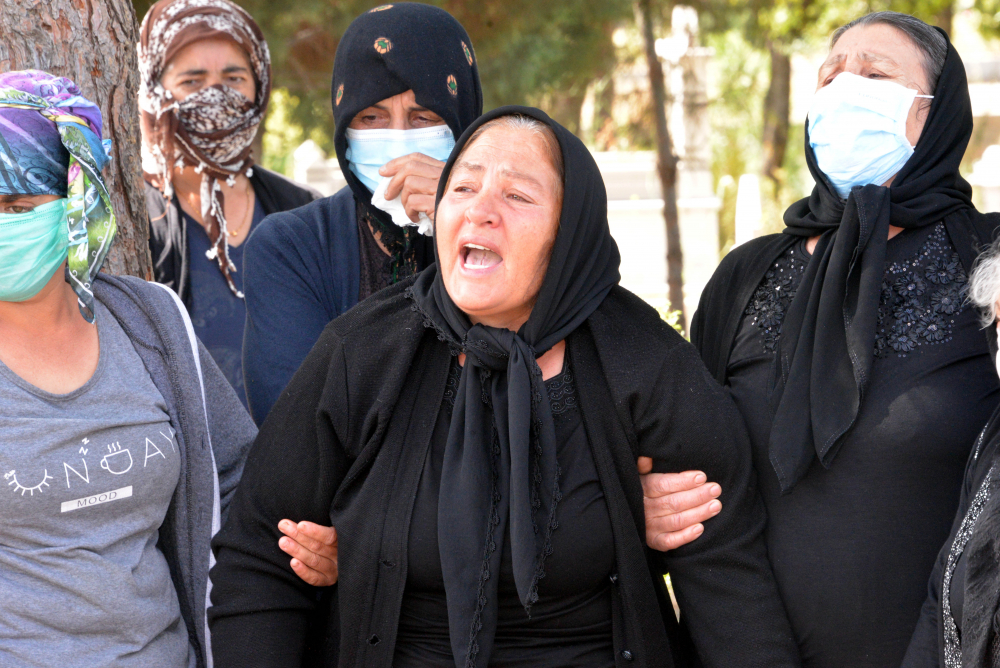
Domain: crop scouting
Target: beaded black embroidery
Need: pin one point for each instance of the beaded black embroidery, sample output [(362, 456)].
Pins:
[(771, 299), (562, 393), (921, 297)]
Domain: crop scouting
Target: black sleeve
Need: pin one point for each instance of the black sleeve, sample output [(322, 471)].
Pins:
[(261, 609), (723, 580), (925, 645)]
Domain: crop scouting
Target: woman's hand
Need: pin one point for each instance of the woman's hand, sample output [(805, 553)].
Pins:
[(416, 176), (313, 549), (676, 504)]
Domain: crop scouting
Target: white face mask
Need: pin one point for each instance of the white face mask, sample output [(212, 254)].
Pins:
[(857, 130)]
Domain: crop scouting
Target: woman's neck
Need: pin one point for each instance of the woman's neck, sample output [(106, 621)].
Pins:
[(46, 341), (239, 200)]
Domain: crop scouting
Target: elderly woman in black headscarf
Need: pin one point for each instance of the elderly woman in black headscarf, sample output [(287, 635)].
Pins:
[(959, 625), (846, 342), (405, 84), (472, 434)]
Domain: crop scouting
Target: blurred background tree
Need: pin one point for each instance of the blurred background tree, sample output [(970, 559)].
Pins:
[(572, 56), (544, 54)]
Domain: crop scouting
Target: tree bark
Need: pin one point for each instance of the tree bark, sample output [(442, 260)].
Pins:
[(666, 163), (774, 140), (93, 43)]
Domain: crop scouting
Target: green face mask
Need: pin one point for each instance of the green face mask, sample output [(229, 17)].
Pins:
[(33, 246)]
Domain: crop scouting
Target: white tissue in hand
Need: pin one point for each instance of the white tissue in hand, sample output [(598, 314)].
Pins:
[(395, 209)]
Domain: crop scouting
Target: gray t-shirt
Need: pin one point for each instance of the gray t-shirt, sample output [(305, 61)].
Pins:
[(87, 480)]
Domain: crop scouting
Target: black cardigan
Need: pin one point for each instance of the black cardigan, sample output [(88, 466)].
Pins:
[(345, 444), (168, 228)]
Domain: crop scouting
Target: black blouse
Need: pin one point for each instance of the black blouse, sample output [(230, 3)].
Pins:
[(852, 542), (570, 625)]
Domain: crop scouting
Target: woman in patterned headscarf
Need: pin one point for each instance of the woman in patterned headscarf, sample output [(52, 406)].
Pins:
[(120, 441), (206, 80)]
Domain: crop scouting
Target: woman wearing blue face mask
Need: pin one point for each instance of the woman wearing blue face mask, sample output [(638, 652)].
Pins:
[(121, 443), (846, 341), (405, 84)]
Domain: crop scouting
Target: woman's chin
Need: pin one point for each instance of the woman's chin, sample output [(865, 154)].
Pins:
[(479, 304)]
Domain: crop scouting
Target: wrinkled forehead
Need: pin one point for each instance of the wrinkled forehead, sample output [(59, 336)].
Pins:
[(520, 154), (878, 45)]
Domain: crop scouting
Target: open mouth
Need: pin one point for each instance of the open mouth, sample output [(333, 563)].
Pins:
[(479, 257)]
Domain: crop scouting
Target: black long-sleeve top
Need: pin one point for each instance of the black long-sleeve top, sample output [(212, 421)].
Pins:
[(346, 443)]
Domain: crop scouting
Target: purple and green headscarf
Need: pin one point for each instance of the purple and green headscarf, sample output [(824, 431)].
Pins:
[(50, 144)]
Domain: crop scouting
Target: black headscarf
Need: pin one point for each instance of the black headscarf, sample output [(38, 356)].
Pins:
[(500, 470), (828, 337), (392, 49)]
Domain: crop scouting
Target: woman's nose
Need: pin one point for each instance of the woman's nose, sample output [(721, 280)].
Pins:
[(484, 209)]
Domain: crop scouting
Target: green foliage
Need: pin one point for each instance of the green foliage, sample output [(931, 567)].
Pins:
[(989, 17), (672, 318)]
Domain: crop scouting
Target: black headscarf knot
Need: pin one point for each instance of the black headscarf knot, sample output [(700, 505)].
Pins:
[(826, 350), (500, 475), (490, 348)]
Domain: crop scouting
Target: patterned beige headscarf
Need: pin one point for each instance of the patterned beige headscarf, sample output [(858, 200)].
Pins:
[(211, 130)]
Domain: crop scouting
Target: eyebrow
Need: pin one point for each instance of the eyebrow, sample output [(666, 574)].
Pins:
[(202, 71), (416, 107), (513, 173), (471, 166), (866, 56), (521, 176)]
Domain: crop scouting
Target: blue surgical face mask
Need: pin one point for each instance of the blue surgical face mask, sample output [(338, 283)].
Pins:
[(369, 150), (857, 130), (33, 246)]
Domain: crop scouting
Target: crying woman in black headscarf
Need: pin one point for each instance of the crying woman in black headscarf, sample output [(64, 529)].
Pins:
[(472, 434), (850, 349)]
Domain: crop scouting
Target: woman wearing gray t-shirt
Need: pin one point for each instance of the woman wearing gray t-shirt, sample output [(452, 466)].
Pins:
[(121, 442)]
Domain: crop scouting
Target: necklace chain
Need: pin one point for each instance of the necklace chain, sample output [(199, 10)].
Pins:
[(245, 218)]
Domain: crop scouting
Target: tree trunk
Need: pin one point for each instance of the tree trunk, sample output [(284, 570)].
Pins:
[(93, 43), (666, 164), (774, 140)]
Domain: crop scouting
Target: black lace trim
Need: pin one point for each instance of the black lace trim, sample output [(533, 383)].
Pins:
[(451, 385), (561, 390), (453, 346), (488, 550), (921, 297), (771, 299)]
